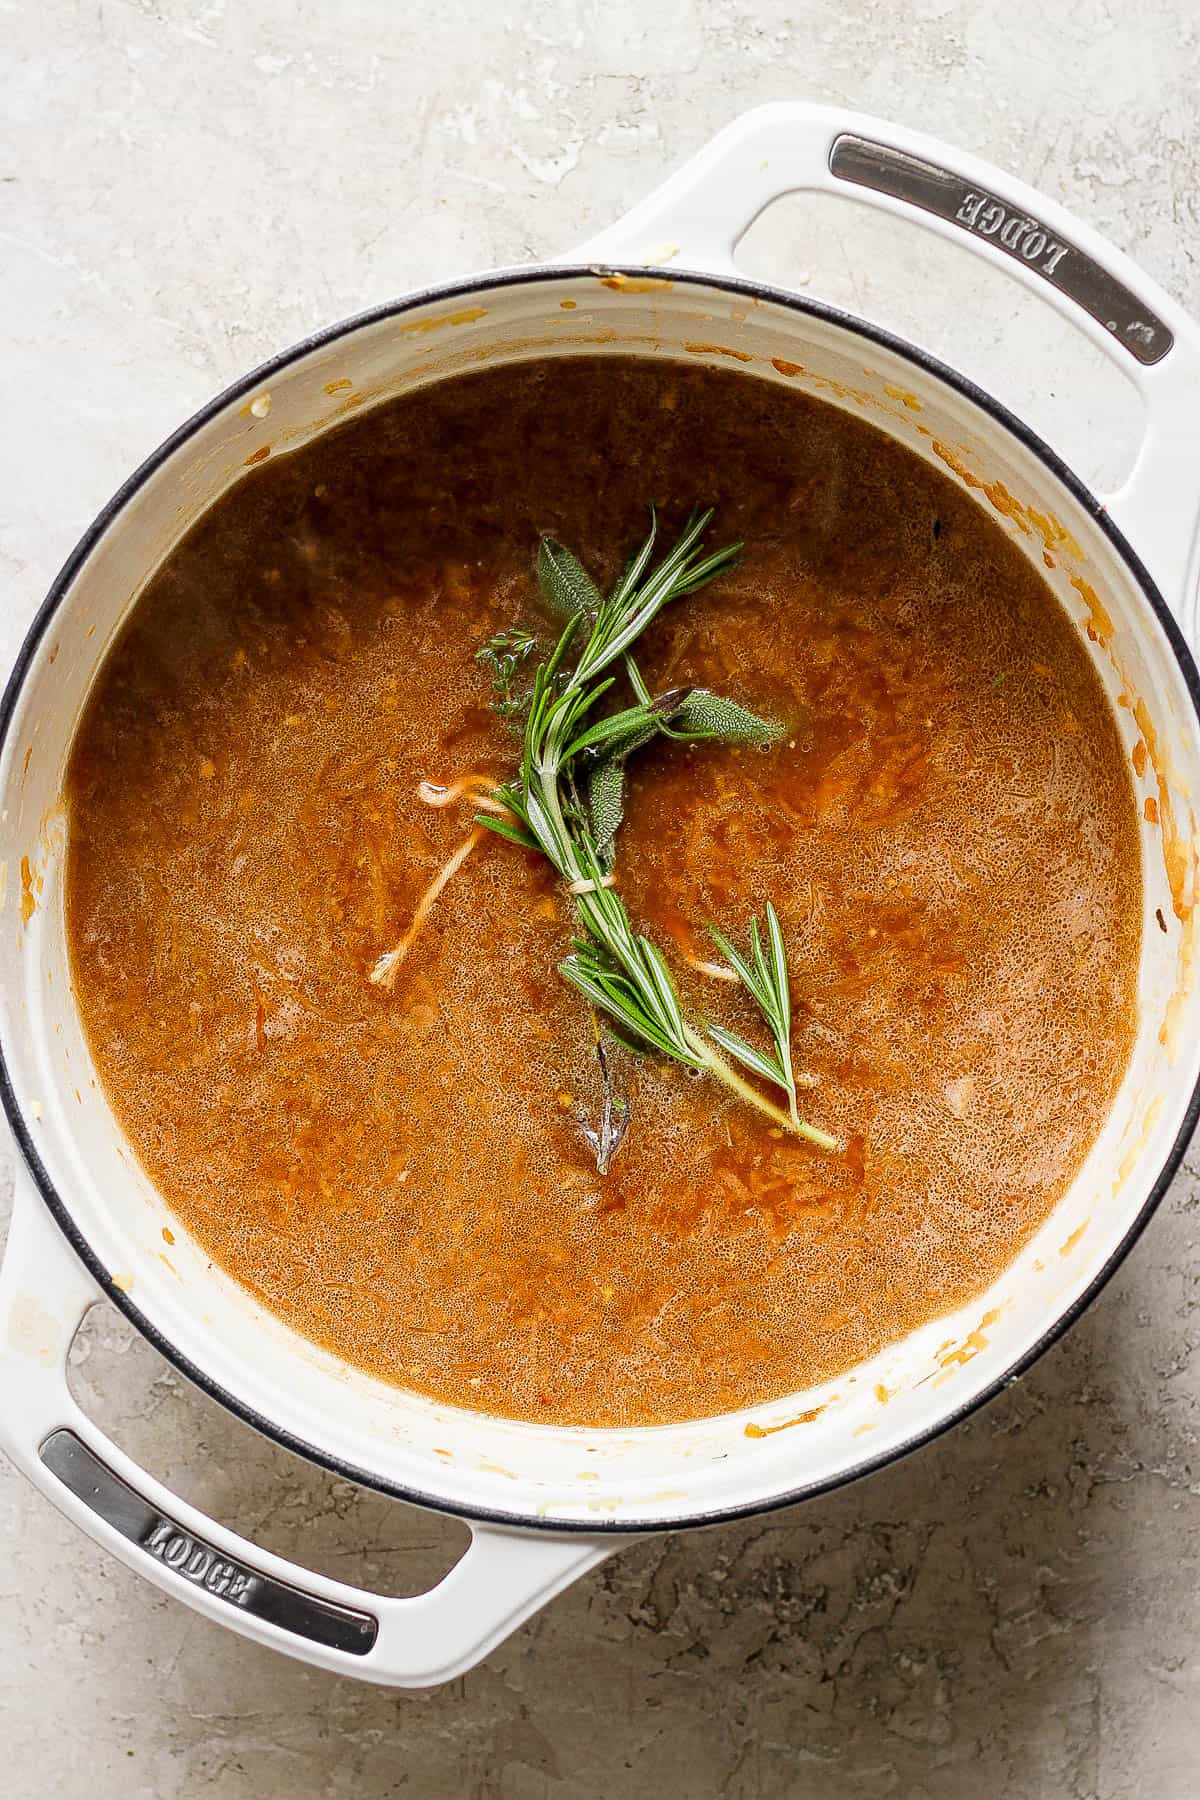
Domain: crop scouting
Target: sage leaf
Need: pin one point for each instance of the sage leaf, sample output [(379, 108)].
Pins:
[(705, 715), (565, 584)]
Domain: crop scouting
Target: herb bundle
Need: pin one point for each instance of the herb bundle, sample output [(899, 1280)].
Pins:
[(566, 801)]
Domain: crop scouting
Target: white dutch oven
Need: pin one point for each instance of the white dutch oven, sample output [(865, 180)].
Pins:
[(547, 1503)]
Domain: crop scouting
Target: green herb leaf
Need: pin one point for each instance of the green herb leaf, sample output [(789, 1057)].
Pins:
[(747, 1054), (705, 715), (764, 975), (503, 829), (566, 586), (779, 968), (745, 974), (504, 655), (697, 714), (606, 803)]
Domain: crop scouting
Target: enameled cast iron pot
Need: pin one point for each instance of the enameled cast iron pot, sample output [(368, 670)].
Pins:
[(547, 1503)]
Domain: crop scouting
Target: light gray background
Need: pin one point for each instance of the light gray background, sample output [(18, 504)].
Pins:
[(184, 189)]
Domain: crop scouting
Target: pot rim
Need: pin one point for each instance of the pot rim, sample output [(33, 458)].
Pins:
[(464, 288)]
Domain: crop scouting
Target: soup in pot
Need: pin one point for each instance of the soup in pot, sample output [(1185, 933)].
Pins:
[(326, 1004)]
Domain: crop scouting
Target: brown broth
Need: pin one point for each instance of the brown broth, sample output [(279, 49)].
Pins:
[(947, 830)]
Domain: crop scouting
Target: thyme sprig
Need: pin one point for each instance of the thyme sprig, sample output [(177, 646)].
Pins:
[(566, 802), (504, 655)]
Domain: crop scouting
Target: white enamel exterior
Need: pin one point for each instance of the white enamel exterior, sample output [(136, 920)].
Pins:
[(518, 1481)]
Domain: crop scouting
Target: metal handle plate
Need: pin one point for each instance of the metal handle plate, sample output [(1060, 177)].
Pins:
[(264, 1597), (1017, 234)]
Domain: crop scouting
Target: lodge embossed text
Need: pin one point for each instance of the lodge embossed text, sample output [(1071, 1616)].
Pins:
[(1018, 233), (198, 1564)]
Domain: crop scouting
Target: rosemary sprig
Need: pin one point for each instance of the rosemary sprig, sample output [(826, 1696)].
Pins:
[(566, 802), (765, 978)]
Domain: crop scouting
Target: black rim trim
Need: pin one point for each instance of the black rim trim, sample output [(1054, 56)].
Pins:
[(8, 702)]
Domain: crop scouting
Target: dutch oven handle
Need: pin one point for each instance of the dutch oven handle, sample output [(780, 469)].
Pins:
[(503, 1577), (700, 213)]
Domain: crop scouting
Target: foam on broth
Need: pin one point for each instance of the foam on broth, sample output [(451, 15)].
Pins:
[(947, 830)]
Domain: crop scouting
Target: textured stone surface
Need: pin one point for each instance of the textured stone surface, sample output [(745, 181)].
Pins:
[(185, 187)]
